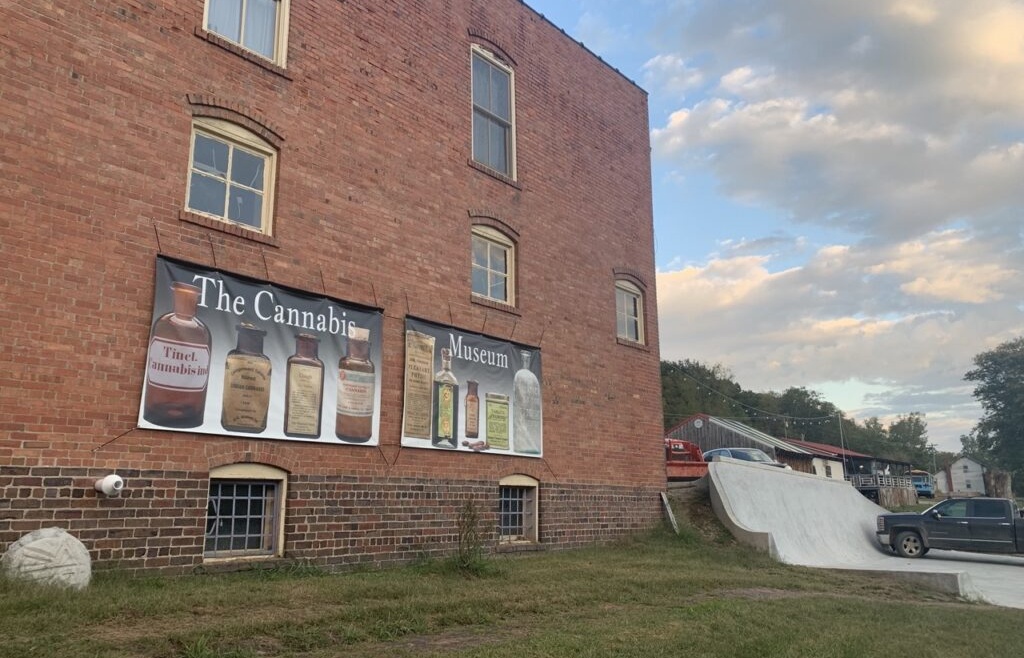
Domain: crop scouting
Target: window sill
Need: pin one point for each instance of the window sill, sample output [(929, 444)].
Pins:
[(241, 563), (497, 175), (632, 343), (498, 306), (247, 55), (225, 227), (519, 547)]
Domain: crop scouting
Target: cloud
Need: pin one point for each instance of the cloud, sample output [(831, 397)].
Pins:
[(889, 119), (903, 318)]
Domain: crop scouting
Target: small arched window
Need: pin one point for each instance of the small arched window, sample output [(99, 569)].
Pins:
[(629, 311), (231, 174), (494, 258)]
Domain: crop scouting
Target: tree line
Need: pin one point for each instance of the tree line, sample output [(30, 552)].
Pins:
[(690, 387)]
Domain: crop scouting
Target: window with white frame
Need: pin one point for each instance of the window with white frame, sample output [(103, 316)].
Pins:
[(245, 512), (629, 311), (260, 26), (493, 265), (231, 174), (517, 509), (493, 125)]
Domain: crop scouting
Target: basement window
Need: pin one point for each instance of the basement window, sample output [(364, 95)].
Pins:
[(517, 509), (245, 512)]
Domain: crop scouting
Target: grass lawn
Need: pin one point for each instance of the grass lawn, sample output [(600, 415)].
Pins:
[(696, 594)]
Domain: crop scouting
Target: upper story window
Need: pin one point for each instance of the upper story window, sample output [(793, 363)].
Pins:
[(493, 265), (493, 130), (231, 174), (629, 311), (256, 25)]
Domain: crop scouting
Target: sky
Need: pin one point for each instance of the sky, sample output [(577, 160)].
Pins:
[(838, 189)]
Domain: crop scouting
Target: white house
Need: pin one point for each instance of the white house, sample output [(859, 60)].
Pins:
[(964, 477)]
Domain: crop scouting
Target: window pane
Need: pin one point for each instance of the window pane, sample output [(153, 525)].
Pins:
[(479, 251), (260, 26), (621, 329), (498, 288), (245, 207), (479, 280), (481, 82), (499, 258), (210, 155), (225, 18), (247, 169), (498, 148), (500, 105), (634, 330), (206, 195), (480, 143)]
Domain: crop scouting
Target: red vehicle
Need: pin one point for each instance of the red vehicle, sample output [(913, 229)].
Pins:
[(683, 461)]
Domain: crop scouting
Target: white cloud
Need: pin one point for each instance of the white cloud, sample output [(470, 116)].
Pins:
[(903, 319), (885, 118)]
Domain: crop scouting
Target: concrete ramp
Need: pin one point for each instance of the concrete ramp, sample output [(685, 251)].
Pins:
[(816, 522)]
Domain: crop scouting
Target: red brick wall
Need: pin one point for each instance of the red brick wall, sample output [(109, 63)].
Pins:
[(375, 196)]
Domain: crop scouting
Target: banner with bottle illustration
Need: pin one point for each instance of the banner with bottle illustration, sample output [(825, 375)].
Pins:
[(229, 355), (465, 391)]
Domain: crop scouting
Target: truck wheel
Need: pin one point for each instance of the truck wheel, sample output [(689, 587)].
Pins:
[(909, 544)]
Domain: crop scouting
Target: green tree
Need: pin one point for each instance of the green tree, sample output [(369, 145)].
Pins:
[(690, 387), (999, 378), (908, 440)]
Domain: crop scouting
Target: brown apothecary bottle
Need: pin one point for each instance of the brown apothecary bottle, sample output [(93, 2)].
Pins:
[(246, 383), (178, 364), (357, 381), (304, 389), (472, 410)]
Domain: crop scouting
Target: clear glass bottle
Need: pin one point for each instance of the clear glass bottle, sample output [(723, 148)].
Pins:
[(246, 383), (356, 387), (178, 364), (304, 389), (472, 410), (527, 424), (446, 404)]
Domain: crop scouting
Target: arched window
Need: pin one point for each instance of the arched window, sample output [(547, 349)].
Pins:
[(517, 509), (494, 259), (629, 311), (245, 511), (493, 113), (231, 174)]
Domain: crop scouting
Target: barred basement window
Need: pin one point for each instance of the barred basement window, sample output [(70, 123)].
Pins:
[(244, 513), (517, 509)]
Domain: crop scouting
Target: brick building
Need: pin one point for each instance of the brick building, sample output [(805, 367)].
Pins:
[(385, 216)]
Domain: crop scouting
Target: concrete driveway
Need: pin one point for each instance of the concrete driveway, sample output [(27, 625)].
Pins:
[(812, 521)]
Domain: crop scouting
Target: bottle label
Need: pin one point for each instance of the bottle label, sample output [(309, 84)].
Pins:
[(178, 366), (355, 393), (472, 418), (305, 386), (246, 392), (445, 411)]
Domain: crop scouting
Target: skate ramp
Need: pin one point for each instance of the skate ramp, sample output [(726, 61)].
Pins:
[(812, 521)]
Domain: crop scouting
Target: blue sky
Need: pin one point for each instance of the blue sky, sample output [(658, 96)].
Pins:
[(837, 189)]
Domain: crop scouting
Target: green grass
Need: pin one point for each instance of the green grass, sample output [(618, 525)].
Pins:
[(652, 595)]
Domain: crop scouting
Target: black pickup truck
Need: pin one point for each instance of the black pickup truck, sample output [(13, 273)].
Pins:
[(980, 525)]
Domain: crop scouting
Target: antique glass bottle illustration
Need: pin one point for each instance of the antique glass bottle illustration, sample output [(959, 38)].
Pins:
[(527, 425), (356, 387), (246, 383), (446, 404), (178, 364), (304, 389), (472, 410)]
